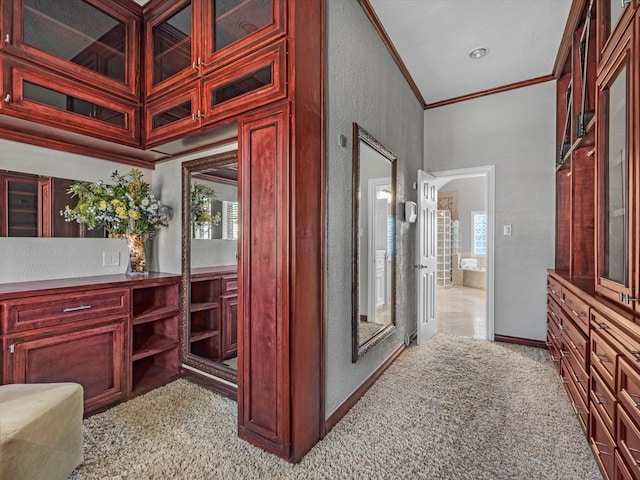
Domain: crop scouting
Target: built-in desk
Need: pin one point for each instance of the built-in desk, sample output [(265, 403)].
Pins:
[(116, 335)]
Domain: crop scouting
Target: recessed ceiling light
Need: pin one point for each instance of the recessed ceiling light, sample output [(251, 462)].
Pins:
[(477, 53)]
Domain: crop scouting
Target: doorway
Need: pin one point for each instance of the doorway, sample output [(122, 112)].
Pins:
[(465, 264)]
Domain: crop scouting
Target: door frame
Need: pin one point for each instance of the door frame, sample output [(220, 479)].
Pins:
[(371, 246), (489, 174)]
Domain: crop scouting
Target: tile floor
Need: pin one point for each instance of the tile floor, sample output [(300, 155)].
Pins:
[(461, 311)]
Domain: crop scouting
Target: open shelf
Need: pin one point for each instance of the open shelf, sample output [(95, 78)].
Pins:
[(153, 302), (152, 372)]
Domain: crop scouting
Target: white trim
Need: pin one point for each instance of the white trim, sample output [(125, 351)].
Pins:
[(489, 172)]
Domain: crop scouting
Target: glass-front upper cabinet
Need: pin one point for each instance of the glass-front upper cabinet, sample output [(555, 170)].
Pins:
[(232, 27), (613, 13), (617, 246), (95, 41), (187, 38)]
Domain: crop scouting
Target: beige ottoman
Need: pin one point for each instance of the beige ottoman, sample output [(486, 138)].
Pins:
[(40, 430)]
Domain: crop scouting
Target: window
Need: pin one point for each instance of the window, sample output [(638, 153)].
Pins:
[(479, 225), (224, 224), (230, 220)]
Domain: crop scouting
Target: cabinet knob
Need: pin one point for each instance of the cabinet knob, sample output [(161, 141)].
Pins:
[(7, 98)]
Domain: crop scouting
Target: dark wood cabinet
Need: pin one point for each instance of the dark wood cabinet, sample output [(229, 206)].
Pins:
[(92, 355), (617, 170), (91, 41), (115, 336), (256, 80), (264, 386), (35, 94), (186, 39), (20, 200)]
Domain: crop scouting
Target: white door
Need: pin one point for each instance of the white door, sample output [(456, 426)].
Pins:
[(426, 255)]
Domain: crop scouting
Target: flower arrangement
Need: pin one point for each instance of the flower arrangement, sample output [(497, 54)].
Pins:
[(201, 197), (127, 206)]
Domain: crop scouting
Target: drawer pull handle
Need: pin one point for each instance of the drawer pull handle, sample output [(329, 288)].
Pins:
[(553, 291), (554, 359), (581, 314), (561, 327), (598, 451), (600, 325), (576, 409), (75, 309), (553, 314), (634, 353), (601, 358), (565, 353), (577, 378), (600, 402)]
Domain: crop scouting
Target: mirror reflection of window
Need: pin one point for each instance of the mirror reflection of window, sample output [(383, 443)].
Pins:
[(214, 211)]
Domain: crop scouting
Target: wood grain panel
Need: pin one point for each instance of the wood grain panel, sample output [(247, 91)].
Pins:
[(263, 383)]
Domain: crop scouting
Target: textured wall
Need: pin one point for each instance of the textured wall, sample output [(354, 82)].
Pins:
[(364, 86), (25, 259), (515, 131)]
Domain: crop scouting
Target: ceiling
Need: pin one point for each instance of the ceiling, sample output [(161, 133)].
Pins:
[(434, 38)]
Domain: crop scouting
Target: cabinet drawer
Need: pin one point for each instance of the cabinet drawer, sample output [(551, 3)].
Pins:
[(577, 310), (628, 441), (629, 388), (554, 351), (579, 377), (554, 288), (578, 405), (603, 358), (554, 310), (49, 310), (622, 471), (577, 342), (229, 283), (603, 399), (602, 444)]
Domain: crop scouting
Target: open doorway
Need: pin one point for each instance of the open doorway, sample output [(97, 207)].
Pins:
[(464, 293)]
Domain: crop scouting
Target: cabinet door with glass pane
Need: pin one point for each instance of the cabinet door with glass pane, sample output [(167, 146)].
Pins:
[(171, 47), (613, 18), (617, 240), (94, 41), (233, 28)]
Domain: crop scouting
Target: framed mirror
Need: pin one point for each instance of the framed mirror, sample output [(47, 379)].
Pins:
[(374, 242), (210, 234)]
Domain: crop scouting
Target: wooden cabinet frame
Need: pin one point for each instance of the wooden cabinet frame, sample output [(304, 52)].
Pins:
[(622, 56), (118, 9), (15, 73), (203, 60)]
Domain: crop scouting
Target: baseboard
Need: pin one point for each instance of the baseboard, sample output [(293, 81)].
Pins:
[(342, 410), (527, 342), (209, 382)]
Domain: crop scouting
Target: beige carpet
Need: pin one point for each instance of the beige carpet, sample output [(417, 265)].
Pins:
[(454, 408)]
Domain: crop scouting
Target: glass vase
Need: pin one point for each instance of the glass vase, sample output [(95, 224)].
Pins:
[(137, 254)]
